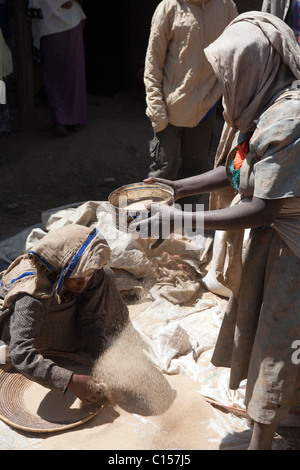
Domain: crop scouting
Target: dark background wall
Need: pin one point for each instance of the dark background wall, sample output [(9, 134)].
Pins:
[(116, 38), (247, 5)]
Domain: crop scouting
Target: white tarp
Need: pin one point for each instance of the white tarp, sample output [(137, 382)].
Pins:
[(179, 339)]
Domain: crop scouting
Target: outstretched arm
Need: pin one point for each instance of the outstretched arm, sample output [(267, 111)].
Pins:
[(250, 213), (204, 183)]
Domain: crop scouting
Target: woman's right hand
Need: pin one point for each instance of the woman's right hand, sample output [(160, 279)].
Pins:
[(86, 389), (172, 184)]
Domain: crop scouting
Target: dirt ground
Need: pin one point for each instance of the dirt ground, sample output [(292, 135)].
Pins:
[(41, 171)]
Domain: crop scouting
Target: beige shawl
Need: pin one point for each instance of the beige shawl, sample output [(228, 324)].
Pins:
[(70, 251), (255, 59)]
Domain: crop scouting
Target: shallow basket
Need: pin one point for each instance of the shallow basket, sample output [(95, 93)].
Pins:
[(122, 197), (14, 386)]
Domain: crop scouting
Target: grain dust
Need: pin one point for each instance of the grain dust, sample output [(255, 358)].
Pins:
[(134, 383)]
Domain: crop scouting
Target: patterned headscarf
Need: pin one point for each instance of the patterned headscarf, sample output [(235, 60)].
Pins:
[(68, 252)]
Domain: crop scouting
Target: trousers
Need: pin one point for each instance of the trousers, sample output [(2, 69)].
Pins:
[(181, 152)]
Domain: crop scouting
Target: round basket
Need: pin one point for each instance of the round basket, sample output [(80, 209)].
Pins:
[(130, 201), (55, 411)]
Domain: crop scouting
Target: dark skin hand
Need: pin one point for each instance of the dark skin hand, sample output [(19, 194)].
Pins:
[(67, 5), (255, 212), (84, 388), (199, 184)]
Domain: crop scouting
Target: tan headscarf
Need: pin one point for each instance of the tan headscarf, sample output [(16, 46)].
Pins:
[(254, 59), (70, 251)]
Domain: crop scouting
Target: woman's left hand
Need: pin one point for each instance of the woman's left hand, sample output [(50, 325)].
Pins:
[(163, 221), (67, 5), (86, 389)]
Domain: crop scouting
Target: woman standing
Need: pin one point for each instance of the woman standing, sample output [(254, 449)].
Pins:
[(257, 63), (57, 29)]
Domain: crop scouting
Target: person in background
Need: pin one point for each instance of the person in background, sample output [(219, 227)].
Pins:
[(6, 68), (287, 10), (57, 30), (61, 296), (257, 63), (182, 92)]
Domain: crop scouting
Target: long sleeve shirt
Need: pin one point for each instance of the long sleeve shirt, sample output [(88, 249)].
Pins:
[(81, 323)]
